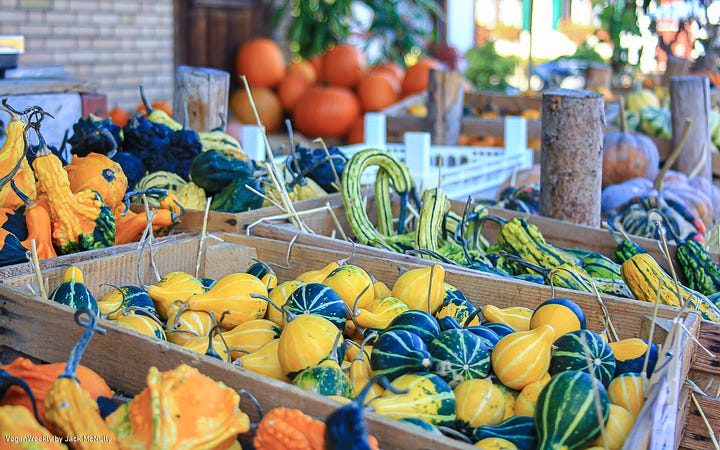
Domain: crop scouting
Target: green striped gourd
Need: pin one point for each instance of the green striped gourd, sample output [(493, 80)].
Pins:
[(597, 264), (306, 341), (160, 180), (279, 296), (628, 391), (478, 402), (617, 428), (112, 303), (326, 379), (516, 317), (522, 357), (562, 314), (700, 271), (630, 355), (459, 355), (319, 300), (572, 351), (417, 322), (73, 292), (522, 239), (520, 430), (428, 398), (397, 352), (458, 307), (566, 415)]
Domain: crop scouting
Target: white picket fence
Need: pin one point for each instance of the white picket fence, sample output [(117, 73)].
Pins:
[(460, 170)]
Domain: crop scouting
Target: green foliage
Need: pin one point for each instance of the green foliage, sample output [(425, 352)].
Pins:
[(618, 18), (486, 69), (401, 27), (585, 52)]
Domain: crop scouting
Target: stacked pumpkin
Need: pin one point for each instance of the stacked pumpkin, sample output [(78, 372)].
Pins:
[(331, 330), (325, 96)]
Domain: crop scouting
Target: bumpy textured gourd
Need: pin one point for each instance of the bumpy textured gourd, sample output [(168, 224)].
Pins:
[(700, 271), (13, 152), (522, 239), (646, 278), (81, 221), (291, 429), (17, 424), (70, 411)]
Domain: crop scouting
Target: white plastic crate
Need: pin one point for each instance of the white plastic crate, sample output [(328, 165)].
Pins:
[(461, 171)]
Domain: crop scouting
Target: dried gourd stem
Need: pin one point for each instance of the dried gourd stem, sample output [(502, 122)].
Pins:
[(660, 179), (430, 286), (150, 216), (332, 166), (336, 221), (608, 322), (249, 227), (623, 119), (709, 427), (291, 244), (288, 207), (697, 342), (38, 272), (662, 243), (270, 200), (274, 176), (596, 392), (701, 164), (203, 233)]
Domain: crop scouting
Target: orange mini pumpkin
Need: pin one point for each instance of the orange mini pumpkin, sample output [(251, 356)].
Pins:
[(627, 156), (291, 88), (261, 61)]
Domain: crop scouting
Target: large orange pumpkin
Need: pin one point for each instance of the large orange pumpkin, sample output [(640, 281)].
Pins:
[(261, 61), (317, 63), (326, 111), (119, 116), (356, 135), (417, 77), (162, 105), (343, 65), (267, 103), (291, 88), (390, 68), (378, 91), (304, 68)]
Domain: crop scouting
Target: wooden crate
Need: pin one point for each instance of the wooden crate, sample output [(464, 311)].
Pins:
[(45, 330), (400, 122), (665, 148)]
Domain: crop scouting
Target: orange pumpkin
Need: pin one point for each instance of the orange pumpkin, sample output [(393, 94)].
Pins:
[(99, 173), (326, 111), (317, 63), (261, 61), (162, 105), (627, 156), (356, 135), (343, 65), (267, 103), (304, 68), (40, 378), (392, 69), (119, 116), (378, 91), (417, 77), (291, 88)]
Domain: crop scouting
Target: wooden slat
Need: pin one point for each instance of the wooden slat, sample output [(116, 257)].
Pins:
[(696, 434)]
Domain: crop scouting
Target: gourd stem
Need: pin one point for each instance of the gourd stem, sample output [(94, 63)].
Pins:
[(7, 381), (183, 307), (436, 255), (534, 267), (77, 351), (152, 192), (357, 299), (383, 381), (660, 179), (403, 212), (254, 401), (139, 311), (29, 203), (623, 119), (471, 316), (223, 123), (145, 101), (496, 219), (447, 431), (430, 286), (122, 302), (332, 166), (364, 342), (352, 319), (298, 177), (461, 231), (334, 354), (267, 299)]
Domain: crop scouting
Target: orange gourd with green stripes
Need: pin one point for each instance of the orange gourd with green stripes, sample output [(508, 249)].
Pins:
[(522, 357)]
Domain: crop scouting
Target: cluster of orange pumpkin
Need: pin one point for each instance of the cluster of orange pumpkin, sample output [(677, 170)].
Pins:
[(325, 96)]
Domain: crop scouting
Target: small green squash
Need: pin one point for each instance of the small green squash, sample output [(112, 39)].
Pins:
[(417, 322), (569, 353), (125, 297), (236, 197), (320, 300), (214, 169), (326, 379), (566, 415), (73, 292), (397, 352), (459, 355), (520, 430)]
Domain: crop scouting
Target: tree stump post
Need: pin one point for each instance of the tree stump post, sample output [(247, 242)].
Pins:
[(690, 99), (445, 106), (571, 157), (676, 67), (206, 92)]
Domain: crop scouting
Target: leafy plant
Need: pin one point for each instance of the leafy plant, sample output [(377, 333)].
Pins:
[(586, 52), (399, 27), (618, 18), (486, 69)]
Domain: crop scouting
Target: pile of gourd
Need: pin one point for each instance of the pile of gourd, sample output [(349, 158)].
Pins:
[(492, 375), (68, 405)]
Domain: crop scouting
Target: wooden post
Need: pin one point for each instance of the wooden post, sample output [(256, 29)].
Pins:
[(206, 93), (445, 106), (599, 76), (690, 99), (571, 158), (676, 67)]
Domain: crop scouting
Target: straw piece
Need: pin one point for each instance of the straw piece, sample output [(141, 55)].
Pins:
[(203, 233), (711, 432), (38, 273)]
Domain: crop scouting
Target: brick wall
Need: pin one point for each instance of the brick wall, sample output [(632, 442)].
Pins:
[(117, 44)]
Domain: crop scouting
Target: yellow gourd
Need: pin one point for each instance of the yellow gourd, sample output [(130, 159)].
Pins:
[(516, 317), (381, 289), (183, 324), (527, 399), (265, 361), (236, 298), (307, 340), (413, 288), (352, 284), (379, 312), (248, 337), (495, 443), (478, 402), (628, 391), (317, 276), (279, 296), (522, 357), (173, 286), (617, 428)]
